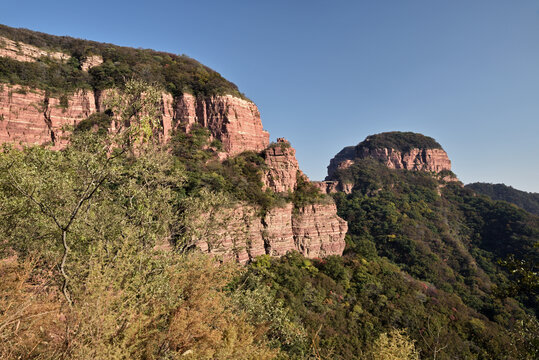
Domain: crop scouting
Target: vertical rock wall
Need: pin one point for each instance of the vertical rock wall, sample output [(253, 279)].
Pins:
[(30, 116)]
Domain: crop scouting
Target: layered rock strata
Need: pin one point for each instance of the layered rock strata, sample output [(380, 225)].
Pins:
[(435, 160), (282, 170), (31, 116), (332, 187), (25, 52), (314, 231), (234, 121)]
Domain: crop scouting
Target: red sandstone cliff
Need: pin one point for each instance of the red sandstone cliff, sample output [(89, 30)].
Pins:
[(234, 121), (429, 158), (282, 167), (313, 230), (435, 160), (30, 116)]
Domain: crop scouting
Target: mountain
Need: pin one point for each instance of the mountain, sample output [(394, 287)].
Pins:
[(526, 200), (423, 253), (144, 214), (49, 84)]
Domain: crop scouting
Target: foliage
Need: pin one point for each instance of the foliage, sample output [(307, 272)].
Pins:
[(240, 177), (526, 200), (137, 112), (56, 78), (401, 141), (423, 255), (175, 73), (394, 346), (131, 303), (305, 193), (100, 122), (128, 298)]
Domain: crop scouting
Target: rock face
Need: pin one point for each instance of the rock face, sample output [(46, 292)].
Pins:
[(331, 187), (32, 117), (420, 159), (25, 52), (281, 174), (313, 230), (435, 160), (91, 61), (396, 150), (234, 121)]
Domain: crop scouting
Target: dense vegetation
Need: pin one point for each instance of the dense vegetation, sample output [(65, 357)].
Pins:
[(430, 271), (175, 73), (401, 141), (526, 200), (96, 242), (456, 272)]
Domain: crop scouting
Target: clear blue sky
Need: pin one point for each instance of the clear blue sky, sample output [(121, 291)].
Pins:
[(325, 74)]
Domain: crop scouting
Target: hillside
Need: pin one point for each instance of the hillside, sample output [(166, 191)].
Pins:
[(526, 200), (422, 254), (144, 214)]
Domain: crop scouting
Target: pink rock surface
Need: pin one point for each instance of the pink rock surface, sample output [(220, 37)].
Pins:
[(314, 231), (416, 159), (435, 160), (281, 174), (30, 117)]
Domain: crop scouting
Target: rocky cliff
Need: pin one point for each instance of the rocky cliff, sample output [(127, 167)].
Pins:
[(31, 116), (234, 121), (241, 233), (313, 230), (25, 52), (282, 167), (34, 116), (424, 154), (396, 150)]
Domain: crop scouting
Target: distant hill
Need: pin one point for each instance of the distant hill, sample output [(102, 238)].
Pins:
[(526, 200)]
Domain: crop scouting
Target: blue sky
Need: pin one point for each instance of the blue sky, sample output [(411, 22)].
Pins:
[(325, 74)]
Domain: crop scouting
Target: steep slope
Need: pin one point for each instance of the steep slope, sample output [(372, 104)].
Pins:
[(396, 150), (50, 85), (423, 254), (526, 200)]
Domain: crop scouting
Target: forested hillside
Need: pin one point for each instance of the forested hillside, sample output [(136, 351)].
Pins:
[(425, 256), (526, 200), (100, 239)]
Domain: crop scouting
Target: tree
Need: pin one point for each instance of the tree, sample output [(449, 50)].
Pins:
[(137, 111), (395, 345), (58, 185)]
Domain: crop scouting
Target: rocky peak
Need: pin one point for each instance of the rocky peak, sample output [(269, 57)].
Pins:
[(397, 150)]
